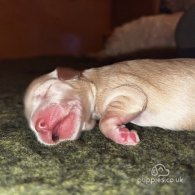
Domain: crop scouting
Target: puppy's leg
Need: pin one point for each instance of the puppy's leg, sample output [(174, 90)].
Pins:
[(127, 104)]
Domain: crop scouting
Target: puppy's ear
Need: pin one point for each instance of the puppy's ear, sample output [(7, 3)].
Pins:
[(66, 73)]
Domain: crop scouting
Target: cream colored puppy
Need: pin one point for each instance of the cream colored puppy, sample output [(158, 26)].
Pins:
[(145, 92)]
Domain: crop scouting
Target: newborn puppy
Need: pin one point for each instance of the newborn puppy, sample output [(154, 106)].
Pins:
[(145, 92)]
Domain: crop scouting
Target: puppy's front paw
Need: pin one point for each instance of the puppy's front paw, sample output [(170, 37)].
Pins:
[(123, 136)]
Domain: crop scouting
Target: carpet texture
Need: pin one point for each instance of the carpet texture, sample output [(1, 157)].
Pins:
[(92, 164)]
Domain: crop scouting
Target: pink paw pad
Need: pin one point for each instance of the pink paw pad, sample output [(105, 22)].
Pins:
[(126, 137)]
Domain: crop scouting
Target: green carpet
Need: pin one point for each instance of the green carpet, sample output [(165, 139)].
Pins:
[(90, 165)]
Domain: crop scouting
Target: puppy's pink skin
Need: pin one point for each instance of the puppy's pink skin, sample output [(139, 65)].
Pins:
[(122, 135), (114, 129), (54, 125)]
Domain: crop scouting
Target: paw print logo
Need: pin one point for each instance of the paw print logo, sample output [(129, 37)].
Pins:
[(159, 170)]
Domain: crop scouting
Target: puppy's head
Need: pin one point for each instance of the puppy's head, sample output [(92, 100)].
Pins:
[(53, 109)]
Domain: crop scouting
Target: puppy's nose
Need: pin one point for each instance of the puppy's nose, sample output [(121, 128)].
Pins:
[(41, 125)]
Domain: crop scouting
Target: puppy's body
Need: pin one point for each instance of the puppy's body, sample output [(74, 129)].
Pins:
[(145, 92), (169, 87)]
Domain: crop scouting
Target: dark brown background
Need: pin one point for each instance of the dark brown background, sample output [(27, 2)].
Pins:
[(63, 27)]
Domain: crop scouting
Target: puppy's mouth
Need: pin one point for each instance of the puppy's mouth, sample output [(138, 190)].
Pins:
[(53, 125)]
